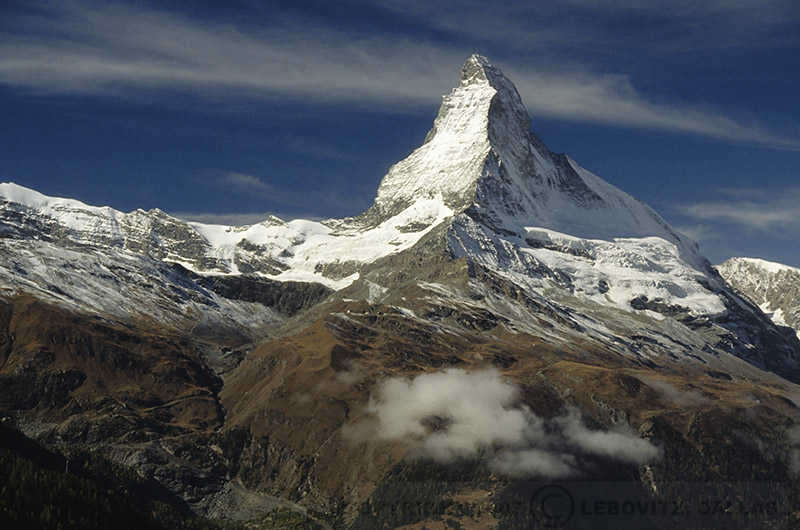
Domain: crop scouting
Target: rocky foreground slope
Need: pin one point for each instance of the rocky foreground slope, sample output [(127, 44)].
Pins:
[(499, 313)]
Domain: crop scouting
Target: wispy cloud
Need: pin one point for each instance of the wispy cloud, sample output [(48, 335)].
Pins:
[(762, 223), (752, 210), (276, 195), (228, 219), (110, 49), (612, 99), (793, 437), (674, 395), (243, 183), (668, 26), (121, 51)]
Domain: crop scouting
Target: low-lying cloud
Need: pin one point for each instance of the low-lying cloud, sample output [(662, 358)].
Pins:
[(793, 437), (456, 414), (673, 394)]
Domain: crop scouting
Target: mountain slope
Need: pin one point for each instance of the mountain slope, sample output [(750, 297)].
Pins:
[(775, 288), (296, 250)]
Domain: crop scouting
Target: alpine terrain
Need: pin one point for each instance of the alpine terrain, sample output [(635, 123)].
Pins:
[(500, 317), (775, 288)]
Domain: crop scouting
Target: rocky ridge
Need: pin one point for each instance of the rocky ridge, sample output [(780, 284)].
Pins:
[(775, 288)]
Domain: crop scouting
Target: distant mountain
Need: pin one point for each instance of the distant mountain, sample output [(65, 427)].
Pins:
[(775, 288), (498, 313)]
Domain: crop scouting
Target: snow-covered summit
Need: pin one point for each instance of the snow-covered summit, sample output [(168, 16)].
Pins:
[(774, 287), (482, 114), (770, 267), (454, 151), (481, 156)]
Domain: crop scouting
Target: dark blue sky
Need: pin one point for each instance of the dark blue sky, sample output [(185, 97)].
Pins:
[(230, 111)]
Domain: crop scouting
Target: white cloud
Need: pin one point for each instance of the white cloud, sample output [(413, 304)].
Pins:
[(477, 408), (121, 51), (793, 437), (673, 394), (455, 414), (111, 49), (612, 99), (228, 219), (535, 463), (666, 26), (621, 443), (349, 373), (761, 210), (698, 232), (246, 183), (280, 196)]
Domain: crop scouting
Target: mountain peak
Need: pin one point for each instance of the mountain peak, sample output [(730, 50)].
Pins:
[(505, 108), (478, 67), (481, 160), (484, 113), (478, 70)]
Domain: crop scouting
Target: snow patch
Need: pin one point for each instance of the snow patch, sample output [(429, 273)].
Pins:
[(376, 292)]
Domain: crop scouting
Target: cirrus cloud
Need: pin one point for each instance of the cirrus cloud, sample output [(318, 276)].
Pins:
[(761, 210), (116, 50)]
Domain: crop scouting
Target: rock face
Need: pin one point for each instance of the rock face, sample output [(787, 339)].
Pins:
[(214, 358), (29, 215), (775, 288), (481, 157)]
